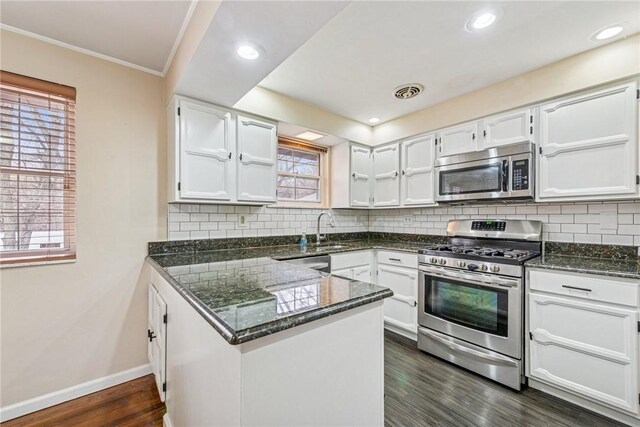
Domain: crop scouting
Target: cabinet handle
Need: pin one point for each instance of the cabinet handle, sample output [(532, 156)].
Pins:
[(240, 156), (150, 335), (230, 155), (403, 172), (353, 174), (396, 173), (415, 303), (484, 133), (473, 136), (395, 259), (576, 288)]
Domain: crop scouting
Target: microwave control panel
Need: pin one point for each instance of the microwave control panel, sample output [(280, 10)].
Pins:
[(520, 175)]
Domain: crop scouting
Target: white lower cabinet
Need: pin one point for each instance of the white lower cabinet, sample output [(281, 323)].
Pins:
[(399, 272), (584, 336), (353, 265), (157, 338)]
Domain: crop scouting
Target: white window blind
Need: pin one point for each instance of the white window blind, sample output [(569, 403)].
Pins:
[(299, 171), (37, 170)]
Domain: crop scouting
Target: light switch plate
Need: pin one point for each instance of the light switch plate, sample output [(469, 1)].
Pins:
[(242, 221)]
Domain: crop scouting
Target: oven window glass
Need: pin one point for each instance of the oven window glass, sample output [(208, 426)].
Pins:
[(477, 179), (477, 307)]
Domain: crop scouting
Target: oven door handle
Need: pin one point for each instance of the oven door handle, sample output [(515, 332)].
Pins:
[(496, 359), (484, 280)]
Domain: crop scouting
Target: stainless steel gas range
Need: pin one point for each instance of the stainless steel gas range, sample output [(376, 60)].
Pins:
[(471, 296)]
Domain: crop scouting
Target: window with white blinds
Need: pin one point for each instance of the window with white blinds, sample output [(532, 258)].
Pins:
[(300, 171), (37, 170)]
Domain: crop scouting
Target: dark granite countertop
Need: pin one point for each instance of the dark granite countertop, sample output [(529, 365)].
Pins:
[(577, 264), (250, 292)]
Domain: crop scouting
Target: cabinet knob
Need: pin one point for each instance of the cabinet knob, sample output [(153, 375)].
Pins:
[(353, 174), (403, 172), (230, 155), (396, 173), (240, 156)]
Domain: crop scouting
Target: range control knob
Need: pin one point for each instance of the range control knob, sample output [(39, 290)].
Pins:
[(433, 260), (495, 268), (461, 264), (472, 267), (483, 267), (442, 261)]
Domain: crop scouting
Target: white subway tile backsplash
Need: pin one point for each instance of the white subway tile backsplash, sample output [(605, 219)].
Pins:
[(568, 222)]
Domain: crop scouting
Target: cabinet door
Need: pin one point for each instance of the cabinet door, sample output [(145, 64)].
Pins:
[(458, 139), (400, 310), (417, 177), (157, 338), (507, 128), (589, 146), (257, 156), (386, 165), (362, 273), (586, 348), (360, 176), (206, 137)]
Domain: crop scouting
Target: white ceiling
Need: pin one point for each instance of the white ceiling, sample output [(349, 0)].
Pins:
[(352, 65), (217, 74), (142, 33)]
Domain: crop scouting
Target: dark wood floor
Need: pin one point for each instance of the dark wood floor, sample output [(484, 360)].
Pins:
[(131, 404), (421, 390)]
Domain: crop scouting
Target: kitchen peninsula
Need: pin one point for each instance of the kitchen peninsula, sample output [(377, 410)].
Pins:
[(250, 340)]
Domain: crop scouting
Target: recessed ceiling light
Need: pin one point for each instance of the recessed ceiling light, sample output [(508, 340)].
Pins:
[(374, 120), (607, 33), (482, 19), (309, 136), (247, 51)]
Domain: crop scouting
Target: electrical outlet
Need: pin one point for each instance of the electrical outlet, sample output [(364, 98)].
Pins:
[(242, 221), (409, 219)]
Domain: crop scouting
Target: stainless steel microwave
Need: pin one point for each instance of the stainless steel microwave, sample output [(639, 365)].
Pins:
[(493, 174)]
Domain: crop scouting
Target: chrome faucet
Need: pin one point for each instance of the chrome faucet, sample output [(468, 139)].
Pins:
[(332, 224)]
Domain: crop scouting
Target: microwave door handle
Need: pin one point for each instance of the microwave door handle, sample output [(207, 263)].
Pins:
[(505, 175)]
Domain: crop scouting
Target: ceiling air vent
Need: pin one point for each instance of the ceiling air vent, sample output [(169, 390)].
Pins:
[(408, 91)]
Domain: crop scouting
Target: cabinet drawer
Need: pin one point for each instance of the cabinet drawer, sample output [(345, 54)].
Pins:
[(351, 259), (398, 258), (594, 288)]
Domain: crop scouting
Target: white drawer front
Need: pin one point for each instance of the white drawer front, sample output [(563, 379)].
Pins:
[(350, 259), (398, 258), (595, 288)]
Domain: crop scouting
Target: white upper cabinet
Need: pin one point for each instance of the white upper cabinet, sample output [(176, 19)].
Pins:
[(257, 154), (360, 182), (588, 146), (417, 176), (507, 128), (205, 152), (386, 165), (458, 139), (218, 156)]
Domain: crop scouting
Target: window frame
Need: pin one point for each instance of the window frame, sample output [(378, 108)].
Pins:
[(323, 171), (66, 96)]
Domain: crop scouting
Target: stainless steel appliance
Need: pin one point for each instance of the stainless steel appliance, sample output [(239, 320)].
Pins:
[(496, 173), (471, 296)]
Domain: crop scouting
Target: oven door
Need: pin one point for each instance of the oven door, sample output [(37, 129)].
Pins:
[(481, 179), (475, 307)]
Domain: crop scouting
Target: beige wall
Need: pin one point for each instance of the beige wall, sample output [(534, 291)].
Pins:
[(70, 323), (611, 62), (280, 107)]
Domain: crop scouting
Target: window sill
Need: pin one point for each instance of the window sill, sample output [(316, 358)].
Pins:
[(36, 263)]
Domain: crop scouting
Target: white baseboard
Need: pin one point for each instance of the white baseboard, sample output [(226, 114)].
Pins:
[(400, 331), (586, 403), (50, 399), (166, 421)]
